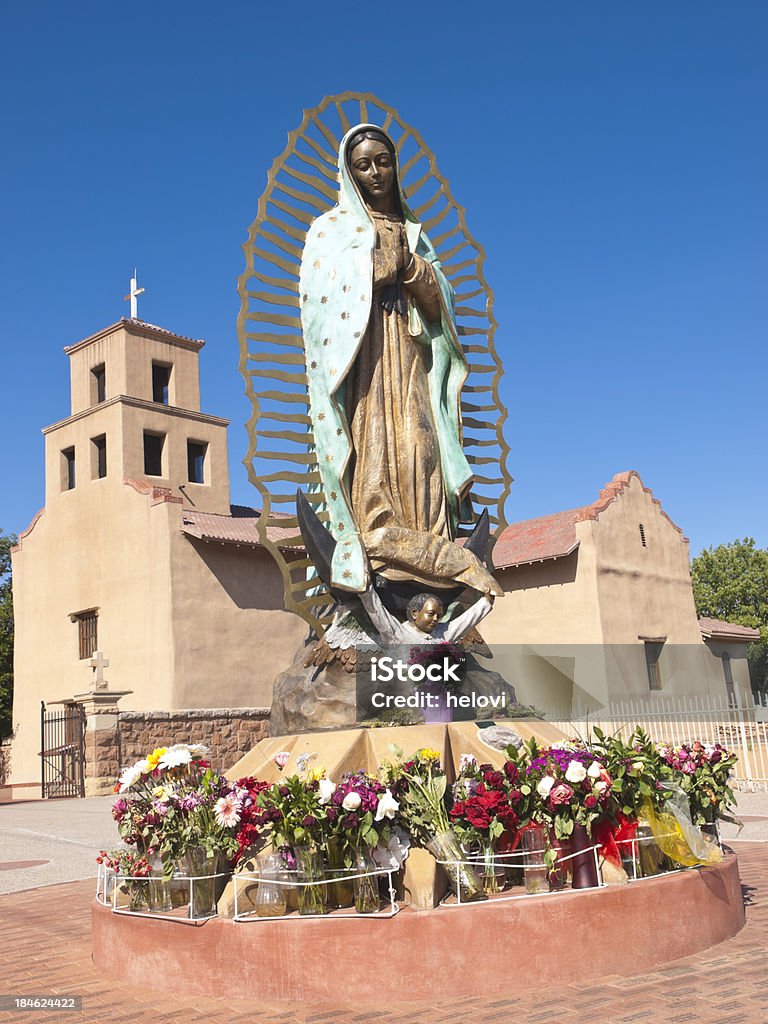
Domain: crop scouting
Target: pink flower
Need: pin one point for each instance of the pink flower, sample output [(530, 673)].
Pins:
[(560, 794), (227, 810), (281, 759)]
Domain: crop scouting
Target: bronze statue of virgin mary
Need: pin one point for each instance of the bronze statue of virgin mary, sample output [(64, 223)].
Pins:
[(385, 371)]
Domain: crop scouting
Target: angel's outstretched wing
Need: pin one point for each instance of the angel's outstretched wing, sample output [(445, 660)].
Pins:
[(303, 183)]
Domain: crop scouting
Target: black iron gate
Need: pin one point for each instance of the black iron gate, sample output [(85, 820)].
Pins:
[(62, 741)]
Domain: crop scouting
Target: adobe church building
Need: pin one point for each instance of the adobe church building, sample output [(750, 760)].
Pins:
[(139, 555), (599, 608)]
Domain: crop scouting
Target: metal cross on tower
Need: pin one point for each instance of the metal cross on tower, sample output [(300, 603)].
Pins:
[(133, 296)]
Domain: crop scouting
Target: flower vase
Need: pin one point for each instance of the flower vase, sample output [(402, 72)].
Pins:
[(650, 856), (179, 887), (534, 868), (558, 874), (341, 891), (270, 897), (435, 704), (365, 884), (584, 867), (137, 891), (462, 877), (158, 887), (492, 874), (311, 876), (290, 873), (199, 866)]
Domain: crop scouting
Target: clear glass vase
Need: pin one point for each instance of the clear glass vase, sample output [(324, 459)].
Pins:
[(463, 879), (158, 888), (199, 866), (311, 873), (534, 868), (649, 854), (270, 897), (492, 873), (365, 884), (559, 875), (137, 891), (341, 890)]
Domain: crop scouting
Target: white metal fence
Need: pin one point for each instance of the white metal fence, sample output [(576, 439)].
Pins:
[(738, 722)]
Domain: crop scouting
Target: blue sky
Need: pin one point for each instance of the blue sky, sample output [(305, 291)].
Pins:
[(612, 159)]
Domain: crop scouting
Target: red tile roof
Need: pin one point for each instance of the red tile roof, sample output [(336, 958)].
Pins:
[(240, 527), (554, 536), (718, 630), (537, 539)]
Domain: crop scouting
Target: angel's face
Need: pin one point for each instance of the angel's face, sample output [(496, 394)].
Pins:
[(373, 170), (428, 616)]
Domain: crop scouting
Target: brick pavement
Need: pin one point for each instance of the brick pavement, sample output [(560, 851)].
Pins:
[(46, 951)]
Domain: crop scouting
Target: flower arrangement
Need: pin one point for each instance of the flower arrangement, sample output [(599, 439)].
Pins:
[(484, 813), (172, 804), (636, 767), (419, 785), (293, 811), (702, 770), (250, 835), (572, 786), (485, 803), (360, 811), (172, 801)]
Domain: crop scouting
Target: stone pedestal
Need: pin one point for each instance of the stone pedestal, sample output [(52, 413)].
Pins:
[(308, 698), (102, 751)]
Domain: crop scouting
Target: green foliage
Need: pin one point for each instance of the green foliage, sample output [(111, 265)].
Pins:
[(757, 655), (6, 635), (515, 711), (730, 582)]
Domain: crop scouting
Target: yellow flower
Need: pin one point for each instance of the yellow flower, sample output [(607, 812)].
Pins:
[(317, 773), (428, 754), (154, 757)]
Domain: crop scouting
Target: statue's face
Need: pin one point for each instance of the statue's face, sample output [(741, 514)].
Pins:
[(428, 616), (372, 168)]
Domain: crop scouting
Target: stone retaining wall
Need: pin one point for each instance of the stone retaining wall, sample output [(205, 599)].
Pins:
[(229, 733)]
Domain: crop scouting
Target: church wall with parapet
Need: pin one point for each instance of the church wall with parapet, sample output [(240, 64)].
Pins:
[(232, 635)]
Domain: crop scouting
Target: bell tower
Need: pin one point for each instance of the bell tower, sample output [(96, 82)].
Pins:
[(135, 416)]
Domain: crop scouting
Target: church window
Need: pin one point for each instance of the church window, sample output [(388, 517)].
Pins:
[(67, 469), (99, 457), (161, 383), (153, 453), (196, 451), (98, 385), (87, 632), (652, 655), (642, 536)]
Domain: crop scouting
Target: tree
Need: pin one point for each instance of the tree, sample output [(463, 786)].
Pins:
[(730, 582), (6, 635)]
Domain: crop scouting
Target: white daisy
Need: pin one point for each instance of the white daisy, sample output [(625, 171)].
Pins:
[(130, 776)]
